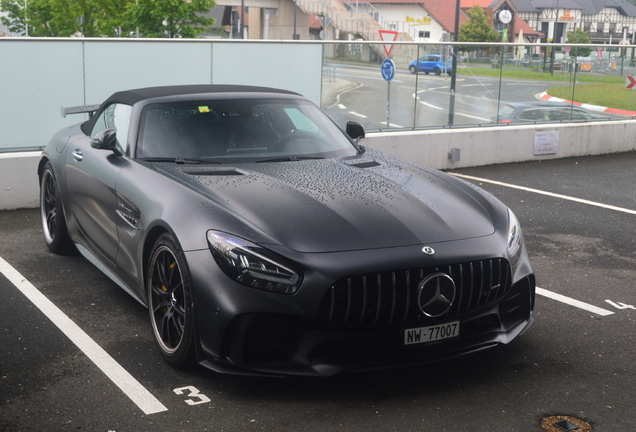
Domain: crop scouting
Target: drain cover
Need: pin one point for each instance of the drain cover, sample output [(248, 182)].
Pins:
[(565, 423)]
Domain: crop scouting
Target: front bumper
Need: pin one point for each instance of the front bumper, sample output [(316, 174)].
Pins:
[(247, 331)]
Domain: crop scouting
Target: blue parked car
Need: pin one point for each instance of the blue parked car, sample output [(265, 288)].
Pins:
[(431, 64)]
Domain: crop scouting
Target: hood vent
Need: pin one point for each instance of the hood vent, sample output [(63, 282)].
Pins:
[(215, 172), (368, 164)]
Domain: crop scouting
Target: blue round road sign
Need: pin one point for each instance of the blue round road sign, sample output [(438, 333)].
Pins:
[(388, 69)]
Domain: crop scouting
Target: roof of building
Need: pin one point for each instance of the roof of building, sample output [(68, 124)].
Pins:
[(314, 22), (587, 7), (484, 4), (527, 30), (443, 11)]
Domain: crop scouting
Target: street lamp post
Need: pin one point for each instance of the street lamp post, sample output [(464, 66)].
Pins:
[(451, 106), (554, 36), (26, 22), (242, 26)]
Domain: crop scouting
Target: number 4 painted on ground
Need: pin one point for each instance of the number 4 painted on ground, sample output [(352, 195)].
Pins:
[(192, 393), (621, 305)]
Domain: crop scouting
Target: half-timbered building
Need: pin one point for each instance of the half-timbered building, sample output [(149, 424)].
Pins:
[(606, 21)]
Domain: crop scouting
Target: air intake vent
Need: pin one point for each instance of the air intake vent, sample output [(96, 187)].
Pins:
[(213, 172), (368, 164)]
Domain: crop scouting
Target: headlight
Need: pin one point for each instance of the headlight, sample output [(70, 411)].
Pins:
[(252, 265), (515, 238)]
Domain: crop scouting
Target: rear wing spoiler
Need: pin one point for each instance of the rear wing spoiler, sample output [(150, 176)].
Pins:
[(90, 109)]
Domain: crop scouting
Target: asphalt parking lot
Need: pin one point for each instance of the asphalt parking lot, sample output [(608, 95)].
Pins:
[(578, 217)]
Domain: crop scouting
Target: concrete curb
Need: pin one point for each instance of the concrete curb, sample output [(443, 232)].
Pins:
[(332, 91), (597, 108)]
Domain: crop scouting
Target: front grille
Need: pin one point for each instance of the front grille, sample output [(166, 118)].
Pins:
[(391, 297)]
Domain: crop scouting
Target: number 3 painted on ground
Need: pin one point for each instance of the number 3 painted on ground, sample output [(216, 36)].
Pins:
[(193, 393)]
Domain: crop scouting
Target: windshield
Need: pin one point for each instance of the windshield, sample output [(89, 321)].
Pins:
[(239, 129)]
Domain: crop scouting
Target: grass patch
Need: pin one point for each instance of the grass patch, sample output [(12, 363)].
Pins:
[(602, 90), (608, 95), (538, 74)]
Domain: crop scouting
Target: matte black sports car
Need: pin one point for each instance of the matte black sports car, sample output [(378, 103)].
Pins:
[(264, 239)]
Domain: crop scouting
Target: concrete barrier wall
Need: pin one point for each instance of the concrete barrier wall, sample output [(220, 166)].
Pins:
[(477, 146), (18, 180), (505, 144)]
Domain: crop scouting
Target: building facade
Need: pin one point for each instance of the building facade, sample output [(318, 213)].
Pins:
[(606, 21)]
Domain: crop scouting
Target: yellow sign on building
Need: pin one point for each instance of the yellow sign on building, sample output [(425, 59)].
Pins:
[(416, 21)]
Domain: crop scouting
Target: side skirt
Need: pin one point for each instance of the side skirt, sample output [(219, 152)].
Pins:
[(93, 260)]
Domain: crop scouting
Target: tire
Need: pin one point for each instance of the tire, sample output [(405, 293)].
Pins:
[(437, 71), (52, 215), (412, 69), (169, 293)]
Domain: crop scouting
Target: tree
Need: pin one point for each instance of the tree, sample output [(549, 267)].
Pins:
[(27, 16), (580, 36), (107, 18), (477, 28), (15, 18), (169, 18)]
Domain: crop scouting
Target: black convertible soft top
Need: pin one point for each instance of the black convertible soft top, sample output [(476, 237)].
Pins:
[(131, 97)]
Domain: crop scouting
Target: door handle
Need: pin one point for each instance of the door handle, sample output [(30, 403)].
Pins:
[(78, 155)]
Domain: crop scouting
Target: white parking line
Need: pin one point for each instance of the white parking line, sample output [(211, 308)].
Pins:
[(431, 106), (537, 191), (541, 291), (113, 370), (572, 302)]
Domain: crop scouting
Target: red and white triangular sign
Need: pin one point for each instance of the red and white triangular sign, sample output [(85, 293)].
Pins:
[(388, 36)]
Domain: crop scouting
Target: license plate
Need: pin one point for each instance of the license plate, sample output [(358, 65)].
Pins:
[(431, 334)]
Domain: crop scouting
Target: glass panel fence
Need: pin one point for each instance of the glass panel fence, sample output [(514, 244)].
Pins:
[(493, 85)]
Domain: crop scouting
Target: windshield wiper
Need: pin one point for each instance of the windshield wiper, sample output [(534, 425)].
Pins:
[(289, 159), (181, 160)]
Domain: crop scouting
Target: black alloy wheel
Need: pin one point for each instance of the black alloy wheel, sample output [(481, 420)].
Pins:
[(170, 302), (437, 71), (412, 69), (52, 215)]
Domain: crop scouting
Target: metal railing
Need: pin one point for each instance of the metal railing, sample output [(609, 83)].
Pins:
[(496, 84)]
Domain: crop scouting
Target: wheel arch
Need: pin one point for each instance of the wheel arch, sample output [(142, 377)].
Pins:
[(154, 233), (43, 161)]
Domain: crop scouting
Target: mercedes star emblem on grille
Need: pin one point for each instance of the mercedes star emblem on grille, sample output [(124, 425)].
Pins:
[(436, 294), (428, 250)]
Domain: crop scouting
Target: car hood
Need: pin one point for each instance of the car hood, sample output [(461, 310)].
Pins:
[(373, 201)]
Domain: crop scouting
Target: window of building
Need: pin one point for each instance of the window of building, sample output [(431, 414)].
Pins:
[(425, 34), (600, 27), (587, 26)]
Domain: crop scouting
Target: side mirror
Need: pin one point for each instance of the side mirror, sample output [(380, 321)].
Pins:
[(355, 130), (106, 140)]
